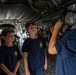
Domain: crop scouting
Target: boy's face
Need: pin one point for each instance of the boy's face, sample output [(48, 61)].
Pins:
[(9, 37), (32, 29)]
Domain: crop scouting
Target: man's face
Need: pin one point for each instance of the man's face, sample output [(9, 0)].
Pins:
[(9, 37), (32, 29)]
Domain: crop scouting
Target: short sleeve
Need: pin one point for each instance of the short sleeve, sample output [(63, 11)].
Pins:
[(25, 46), (1, 55), (19, 54), (44, 43), (58, 46), (66, 46)]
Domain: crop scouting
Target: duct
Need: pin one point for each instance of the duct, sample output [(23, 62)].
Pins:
[(57, 12), (72, 11)]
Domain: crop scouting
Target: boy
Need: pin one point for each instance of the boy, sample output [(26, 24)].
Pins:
[(9, 54), (65, 48), (35, 60)]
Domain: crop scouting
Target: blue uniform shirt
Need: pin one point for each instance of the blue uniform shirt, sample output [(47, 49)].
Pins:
[(9, 56), (35, 49), (66, 57)]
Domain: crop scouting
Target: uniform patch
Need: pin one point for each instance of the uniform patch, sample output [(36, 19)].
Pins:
[(41, 45), (15, 53)]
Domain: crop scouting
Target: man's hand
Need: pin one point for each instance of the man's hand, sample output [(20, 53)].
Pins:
[(45, 66), (58, 25), (28, 72), (12, 73)]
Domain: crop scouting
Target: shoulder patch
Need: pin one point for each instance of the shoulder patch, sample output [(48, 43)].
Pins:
[(41, 44), (15, 53)]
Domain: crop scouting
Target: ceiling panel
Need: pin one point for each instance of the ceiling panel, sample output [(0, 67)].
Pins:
[(21, 11)]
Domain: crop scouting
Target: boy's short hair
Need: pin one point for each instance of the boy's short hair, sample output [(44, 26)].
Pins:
[(29, 23), (5, 31)]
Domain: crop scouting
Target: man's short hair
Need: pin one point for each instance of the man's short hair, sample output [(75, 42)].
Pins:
[(29, 23), (5, 31)]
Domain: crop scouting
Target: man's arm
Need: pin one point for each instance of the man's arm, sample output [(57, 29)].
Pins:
[(54, 37), (6, 70), (16, 67), (46, 63), (25, 58)]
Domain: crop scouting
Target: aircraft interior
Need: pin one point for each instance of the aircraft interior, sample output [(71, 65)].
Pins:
[(44, 12)]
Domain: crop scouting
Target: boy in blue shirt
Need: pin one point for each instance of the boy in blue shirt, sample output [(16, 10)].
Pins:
[(65, 48), (35, 59), (10, 55)]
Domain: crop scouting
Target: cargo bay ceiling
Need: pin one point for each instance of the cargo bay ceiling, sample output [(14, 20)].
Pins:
[(18, 12)]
